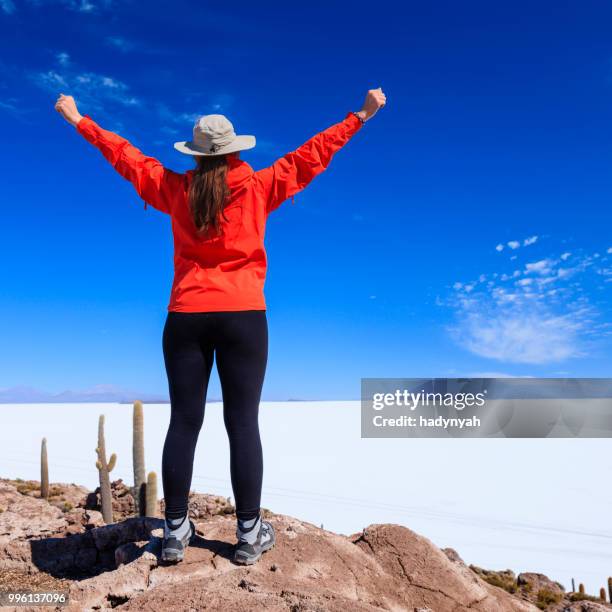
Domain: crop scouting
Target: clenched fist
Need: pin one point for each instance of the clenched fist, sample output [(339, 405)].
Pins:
[(67, 108), (375, 100)]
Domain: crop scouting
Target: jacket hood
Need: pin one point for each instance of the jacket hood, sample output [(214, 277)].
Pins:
[(238, 172)]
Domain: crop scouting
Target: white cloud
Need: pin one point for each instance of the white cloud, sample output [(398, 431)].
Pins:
[(120, 43), (515, 244), (15, 107), (543, 266), (51, 78), (108, 82), (531, 337), (8, 6), (81, 6), (90, 89), (609, 250), (541, 314), (565, 256), (178, 118), (63, 59)]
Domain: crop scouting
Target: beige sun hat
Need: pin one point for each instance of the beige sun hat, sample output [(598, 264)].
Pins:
[(214, 135)]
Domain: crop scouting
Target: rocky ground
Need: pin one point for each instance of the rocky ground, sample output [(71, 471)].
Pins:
[(62, 544)]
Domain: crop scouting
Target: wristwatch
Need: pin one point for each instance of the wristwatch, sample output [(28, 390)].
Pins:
[(358, 116)]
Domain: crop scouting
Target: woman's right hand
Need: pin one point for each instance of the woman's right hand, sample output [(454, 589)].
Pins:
[(375, 100), (67, 108)]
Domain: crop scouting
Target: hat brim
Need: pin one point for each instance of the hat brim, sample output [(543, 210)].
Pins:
[(240, 143)]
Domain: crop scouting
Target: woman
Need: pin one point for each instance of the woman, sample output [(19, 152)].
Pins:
[(217, 307)]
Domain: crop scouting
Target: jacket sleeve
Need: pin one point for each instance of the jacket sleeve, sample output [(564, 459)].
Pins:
[(154, 183), (292, 172)]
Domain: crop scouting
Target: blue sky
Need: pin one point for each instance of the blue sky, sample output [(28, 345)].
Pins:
[(465, 230)]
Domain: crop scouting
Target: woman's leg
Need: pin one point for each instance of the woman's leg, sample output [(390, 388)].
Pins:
[(242, 354), (188, 356)]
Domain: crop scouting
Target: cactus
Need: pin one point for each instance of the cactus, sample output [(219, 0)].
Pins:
[(44, 470), (104, 470), (602, 594), (581, 588), (151, 507), (138, 462), (610, 588)]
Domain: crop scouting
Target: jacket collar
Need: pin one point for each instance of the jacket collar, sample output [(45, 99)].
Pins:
[(238, 171)]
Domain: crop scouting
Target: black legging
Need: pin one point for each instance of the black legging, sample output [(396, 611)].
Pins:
[(190, 341)]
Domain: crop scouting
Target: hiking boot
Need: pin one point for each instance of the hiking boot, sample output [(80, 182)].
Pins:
[(246, 553), (173, 548)]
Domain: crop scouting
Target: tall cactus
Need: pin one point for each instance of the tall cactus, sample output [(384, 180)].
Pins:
[(581, 588), (138, 461), (44, 470), (151, 507), (610, 588), (602, 594), (104, 470)]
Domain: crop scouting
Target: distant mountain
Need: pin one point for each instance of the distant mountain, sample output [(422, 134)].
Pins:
[(98, 393)]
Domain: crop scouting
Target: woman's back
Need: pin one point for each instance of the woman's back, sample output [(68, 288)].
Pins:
[(224, 271)]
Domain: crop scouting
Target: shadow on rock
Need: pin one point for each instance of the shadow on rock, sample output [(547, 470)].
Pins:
[(102, 549)]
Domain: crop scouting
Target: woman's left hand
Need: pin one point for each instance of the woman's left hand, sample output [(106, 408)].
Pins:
[(67, 108)]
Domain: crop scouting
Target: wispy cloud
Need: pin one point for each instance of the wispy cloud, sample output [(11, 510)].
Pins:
[(90, 89), (120, 43), (141, 46), (63, 59), (17, 108), (543, 267), (7, 6), (540, 312), (10, 104), (107, 96), (81, 6), (176, 122), (172, 118)]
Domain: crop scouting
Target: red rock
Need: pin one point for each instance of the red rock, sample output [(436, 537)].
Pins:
[(385, 567)]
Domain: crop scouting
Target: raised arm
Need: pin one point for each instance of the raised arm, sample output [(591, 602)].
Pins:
[(154, 183), (292, 172)]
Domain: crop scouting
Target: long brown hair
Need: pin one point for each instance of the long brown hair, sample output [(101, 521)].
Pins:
[(208, 192)]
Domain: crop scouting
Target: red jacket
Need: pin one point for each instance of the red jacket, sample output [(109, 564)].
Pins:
[(225, 272)]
